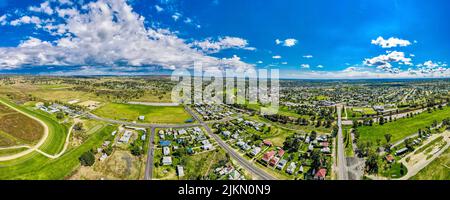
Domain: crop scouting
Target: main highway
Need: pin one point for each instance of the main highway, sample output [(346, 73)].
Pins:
[(341, 162)]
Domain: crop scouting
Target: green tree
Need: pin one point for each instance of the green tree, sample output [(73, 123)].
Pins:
[(87, 158), (388, 137)]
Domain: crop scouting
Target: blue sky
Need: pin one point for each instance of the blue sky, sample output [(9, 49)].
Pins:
[(304, 39)]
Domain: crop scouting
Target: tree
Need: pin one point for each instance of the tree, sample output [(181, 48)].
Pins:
[(87, 158), (372, 162), (388, 137), (78, 126), (59, 115)]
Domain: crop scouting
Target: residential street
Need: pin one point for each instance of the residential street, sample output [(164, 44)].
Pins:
[(341, 165)]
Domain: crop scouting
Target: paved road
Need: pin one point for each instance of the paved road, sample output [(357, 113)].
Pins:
[(242, 161), (341, 162), (150, 156)]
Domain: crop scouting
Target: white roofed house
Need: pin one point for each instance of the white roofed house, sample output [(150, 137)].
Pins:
[(141, 118), (291, 168), (166, 151), (281, 164), (167, 160), (255, 151), (126, 137), (180, 171)]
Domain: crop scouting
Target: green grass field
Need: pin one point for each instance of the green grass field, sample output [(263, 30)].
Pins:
[(439, 169), (153, 114), (403, 127), (6, 152), (35, 166)]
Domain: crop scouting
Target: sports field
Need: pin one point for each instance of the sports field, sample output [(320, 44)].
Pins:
[(17, 129), (56, 132), (153, 114), (35, 166), (403, 127)]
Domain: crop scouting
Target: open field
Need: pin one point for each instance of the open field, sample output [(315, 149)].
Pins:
[(402, 127), (439, 169), (121, 165), (35, 166), (16, 128), (153, 114)]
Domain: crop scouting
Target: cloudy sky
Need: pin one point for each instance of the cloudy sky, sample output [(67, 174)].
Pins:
[(304, 39)]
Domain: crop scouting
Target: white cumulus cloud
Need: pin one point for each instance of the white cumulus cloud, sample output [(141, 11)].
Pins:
[(391, 42), (287, 42), (107, 33), (276, 57), (211, 46)]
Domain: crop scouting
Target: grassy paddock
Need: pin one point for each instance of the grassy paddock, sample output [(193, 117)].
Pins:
[(402, 127), (153, 114)]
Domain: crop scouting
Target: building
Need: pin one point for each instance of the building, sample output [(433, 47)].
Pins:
[(180, 171), (103, 157), (280, 153), (274, 161), (234, 175), (142, 118), (268, 156), (291, 168), (126, 137), (164, 143), (390, 158), (267, 143), (281, 164), (226, 133), (167, 160), (321, 174), (166, 151), (401, 151), (207, 147), (255, 151), (325, 150)]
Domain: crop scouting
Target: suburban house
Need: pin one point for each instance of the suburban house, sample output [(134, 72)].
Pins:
[(291, 168), (255, 151), (180, 170), (281, 164), (267, 143), (390, 158), (268, 156), (167, 160), (274, 161), (321, 174), (166, 151)]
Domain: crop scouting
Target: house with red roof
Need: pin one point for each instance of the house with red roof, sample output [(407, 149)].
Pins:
[(268, 156), (321, 174), (274, 161), (390, 158), (267, 143), (280, 153)]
